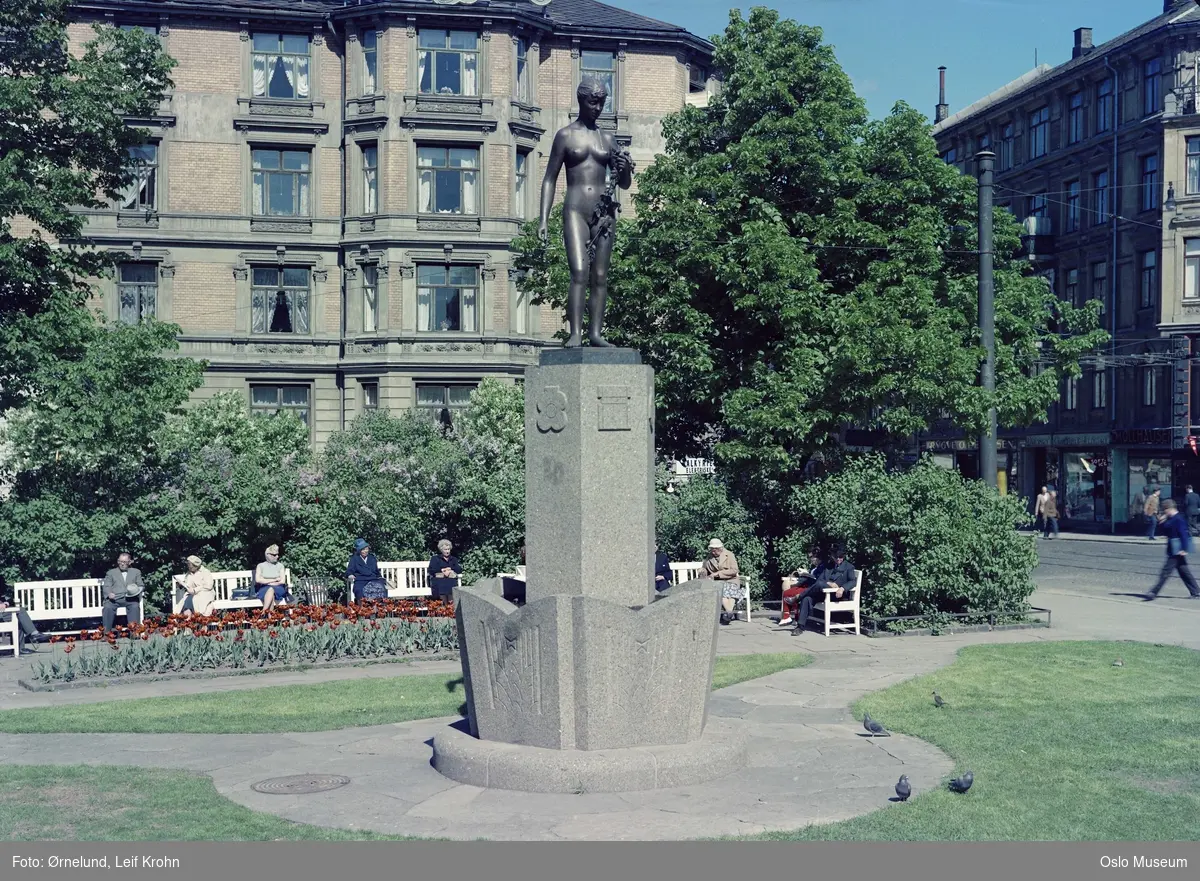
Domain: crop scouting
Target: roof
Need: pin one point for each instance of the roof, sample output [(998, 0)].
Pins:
[(1188, 15), (593, 14)]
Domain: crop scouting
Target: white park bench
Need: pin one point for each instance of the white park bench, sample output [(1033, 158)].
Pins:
[(224, 584), (823, 611), (683, 572), (74, 599), (12, 630), (407, 578)]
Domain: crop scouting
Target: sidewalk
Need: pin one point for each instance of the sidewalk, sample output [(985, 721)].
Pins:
[(1087, 536), (793, 714)]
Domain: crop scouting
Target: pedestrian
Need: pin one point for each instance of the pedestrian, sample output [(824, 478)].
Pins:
[(1039, 504), (1191, 505), (1150, 510), (1179, 542), (662, 569), (1049, 511)]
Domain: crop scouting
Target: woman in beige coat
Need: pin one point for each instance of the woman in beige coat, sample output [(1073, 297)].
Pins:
[(199, 586)]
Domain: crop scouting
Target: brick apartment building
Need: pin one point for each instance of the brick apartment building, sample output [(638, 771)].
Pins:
[(1099, 157), (327, 199)]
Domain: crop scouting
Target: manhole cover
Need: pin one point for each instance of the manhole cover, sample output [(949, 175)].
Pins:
[(300, 784)]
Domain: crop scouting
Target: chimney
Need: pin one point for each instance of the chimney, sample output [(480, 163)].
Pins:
[(943, 109), (1083, 42)]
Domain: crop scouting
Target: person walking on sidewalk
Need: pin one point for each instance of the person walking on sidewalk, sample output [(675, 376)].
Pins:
[(1150, 509), (1048, 511), (1037, 509), (1191, 507), (1179, 542)]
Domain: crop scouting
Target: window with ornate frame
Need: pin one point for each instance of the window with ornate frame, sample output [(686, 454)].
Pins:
[(280, 65)]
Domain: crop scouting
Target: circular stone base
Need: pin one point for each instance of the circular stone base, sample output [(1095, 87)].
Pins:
[(721, 750)]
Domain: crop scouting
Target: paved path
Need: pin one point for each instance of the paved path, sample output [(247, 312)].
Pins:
[(810, 764)]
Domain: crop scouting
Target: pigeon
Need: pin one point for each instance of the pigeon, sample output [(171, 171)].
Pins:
[(1118, 663), (938, 702), (903, 789), (963, 783), (873, 727)]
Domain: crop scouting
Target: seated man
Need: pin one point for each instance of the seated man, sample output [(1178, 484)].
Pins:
[(796, 584), (836, 572), (28, 628), (122, 590), (270, 581), (721, 565), (366, 581)]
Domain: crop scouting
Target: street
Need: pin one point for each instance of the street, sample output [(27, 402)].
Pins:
[(1110, 569)]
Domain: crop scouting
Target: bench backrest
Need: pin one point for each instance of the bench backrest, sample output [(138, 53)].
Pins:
[(224, 584), (682, 572), (69, 598), (408, 578)]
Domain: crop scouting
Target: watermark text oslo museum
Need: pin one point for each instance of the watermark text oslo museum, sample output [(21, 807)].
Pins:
[(1143, 862)]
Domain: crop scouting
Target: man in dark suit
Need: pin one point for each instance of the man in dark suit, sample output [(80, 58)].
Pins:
[(836, 572), (662, 570), (123, 589)]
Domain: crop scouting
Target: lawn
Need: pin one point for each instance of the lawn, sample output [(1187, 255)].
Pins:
[(1064, 746), (326, 706)]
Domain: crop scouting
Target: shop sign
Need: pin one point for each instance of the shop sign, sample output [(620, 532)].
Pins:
[(1157, 437), (1067, 440), (961, 445)]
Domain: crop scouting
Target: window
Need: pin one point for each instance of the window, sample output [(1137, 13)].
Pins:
[(370, 50), (271, 400), (985, 142), (1037, 206), (279, 300), (522, 82), (1191, 274), (1072, 193), (1075, 118), (1099, 388), (1149, 279), (440, 401), (144, 28), (1152, 87), (370, 395), (448, 178), (1100, 283), (1193, 166), (448, 62), (1149, 386), (370, 298), (600, 66), (950, 157), (697, 78), (1006, 147), (137, 292), (1072, 291), (281, 182), (1104, 105), (1071, 393), (1039, 131), (280, 64), (1100, 192), (370, 166), (1150, 184), (142, 192), (447, 297), (522, 194)]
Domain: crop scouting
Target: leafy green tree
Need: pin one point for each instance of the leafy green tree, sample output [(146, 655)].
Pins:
[(63, 146), (795, 269)]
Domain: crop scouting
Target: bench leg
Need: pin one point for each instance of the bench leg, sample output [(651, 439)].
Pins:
[(827, 618)]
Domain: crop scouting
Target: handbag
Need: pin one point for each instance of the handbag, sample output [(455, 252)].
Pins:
[(242, 593)]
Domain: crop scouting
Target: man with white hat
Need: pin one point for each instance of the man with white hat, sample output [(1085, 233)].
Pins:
[(721, 565)]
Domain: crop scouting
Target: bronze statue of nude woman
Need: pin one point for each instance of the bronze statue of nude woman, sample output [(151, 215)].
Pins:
[(589, 209)]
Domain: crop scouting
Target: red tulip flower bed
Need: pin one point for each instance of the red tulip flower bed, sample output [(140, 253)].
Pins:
[(243, 638)]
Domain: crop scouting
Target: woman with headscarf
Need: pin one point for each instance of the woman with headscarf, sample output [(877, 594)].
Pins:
[(198, 584), (444, 570), (366, 581)]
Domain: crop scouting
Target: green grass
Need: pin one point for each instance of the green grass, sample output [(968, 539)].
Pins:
[(83, 803), (325, 706), (1064, 746)]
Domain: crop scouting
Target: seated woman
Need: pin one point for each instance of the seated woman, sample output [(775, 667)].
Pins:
[(270, 585), (366, 581), (199, 586), (444, 570)]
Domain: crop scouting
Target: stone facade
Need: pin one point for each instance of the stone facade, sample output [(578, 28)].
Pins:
[(350, 228)]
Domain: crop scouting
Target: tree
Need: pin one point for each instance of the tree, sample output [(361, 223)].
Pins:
[(63, 146), (795, 270)]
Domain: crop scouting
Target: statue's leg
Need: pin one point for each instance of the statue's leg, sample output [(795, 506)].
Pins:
[(575, 233), (599, 278)]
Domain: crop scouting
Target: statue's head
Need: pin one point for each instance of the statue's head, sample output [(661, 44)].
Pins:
[(592, 95)]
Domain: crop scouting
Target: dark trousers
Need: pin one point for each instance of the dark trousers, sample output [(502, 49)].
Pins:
[(133, 612), (1151, 526), (1047, 524), (1177, 563), (23, 621), (803, 601)]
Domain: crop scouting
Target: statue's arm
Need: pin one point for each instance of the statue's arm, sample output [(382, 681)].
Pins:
[(623, 164), (550, 180)]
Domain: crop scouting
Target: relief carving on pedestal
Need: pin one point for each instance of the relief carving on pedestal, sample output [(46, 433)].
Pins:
[(552, 409)]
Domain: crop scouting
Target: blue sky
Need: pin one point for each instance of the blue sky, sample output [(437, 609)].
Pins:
[(892, 48)]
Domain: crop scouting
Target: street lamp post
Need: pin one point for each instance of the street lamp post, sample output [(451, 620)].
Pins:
[(985, 160)]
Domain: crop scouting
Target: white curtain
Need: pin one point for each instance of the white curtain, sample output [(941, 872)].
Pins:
[(303, 181), (425, 199), (369, 192), (370, 309), (369, 73), (424, 309), (466, 313), (260, 202), (468, 189), (521, 315), (300, 312), (422, 67), (302, 69), (469, 76), (258, 312), (260, 75)]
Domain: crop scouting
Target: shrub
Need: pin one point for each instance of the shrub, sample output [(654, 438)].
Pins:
[(700, 509), (928, 541)]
